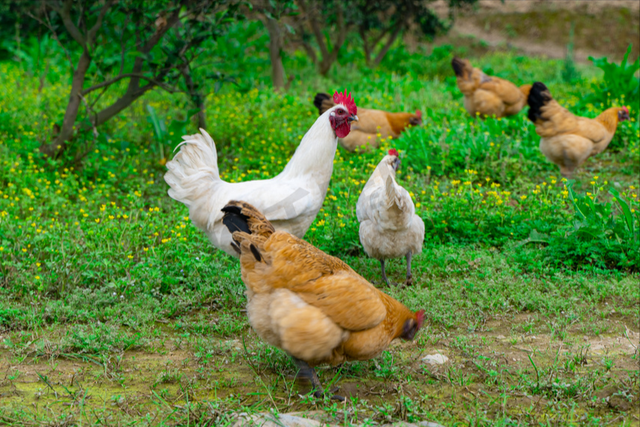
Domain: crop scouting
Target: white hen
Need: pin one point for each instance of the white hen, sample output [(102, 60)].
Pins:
[(389, 227), (290, 200)]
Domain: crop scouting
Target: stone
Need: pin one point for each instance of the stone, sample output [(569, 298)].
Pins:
[(281, 420), (435, 359)]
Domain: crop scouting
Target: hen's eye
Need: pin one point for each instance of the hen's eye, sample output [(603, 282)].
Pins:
[(340, 111)]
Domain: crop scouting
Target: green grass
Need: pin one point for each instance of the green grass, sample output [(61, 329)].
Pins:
[(114, 309)]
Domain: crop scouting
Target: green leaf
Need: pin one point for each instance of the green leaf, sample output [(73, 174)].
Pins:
[(626, 210)]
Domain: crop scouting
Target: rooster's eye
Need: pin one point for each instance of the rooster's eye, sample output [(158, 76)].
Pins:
[(340, 111)]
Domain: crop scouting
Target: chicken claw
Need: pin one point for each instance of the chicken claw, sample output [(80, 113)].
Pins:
[(307, 372)]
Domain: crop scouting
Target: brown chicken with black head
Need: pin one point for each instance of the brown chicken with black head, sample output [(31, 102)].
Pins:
[(566, 139), (310, 304)]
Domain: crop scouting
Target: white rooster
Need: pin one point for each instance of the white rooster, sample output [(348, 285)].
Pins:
[(290, 200), (389, 227)]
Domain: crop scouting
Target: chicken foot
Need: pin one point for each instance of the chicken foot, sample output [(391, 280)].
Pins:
[(307, 372), (409, 280)]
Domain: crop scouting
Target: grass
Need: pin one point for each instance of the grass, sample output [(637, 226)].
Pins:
[(114, 309)]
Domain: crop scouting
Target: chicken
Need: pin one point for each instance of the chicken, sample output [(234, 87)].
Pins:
[(488, 96), (566, 139), (389, 227), (291, 200), (310, 304), (370, 124)]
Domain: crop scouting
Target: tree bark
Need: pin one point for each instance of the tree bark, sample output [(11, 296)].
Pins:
[(71, 113), (326, 58), (275, 52)]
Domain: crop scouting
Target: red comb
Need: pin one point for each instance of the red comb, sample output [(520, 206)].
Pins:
[(394, 152), (419, 114), (346, 100), (625, 109), (420, 318)]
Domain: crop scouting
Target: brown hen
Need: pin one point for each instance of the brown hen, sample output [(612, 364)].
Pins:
[(310, 304), (364, 132), (485, 95), (566, 139)]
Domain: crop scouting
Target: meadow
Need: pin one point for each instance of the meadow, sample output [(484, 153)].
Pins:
[(115, 310)]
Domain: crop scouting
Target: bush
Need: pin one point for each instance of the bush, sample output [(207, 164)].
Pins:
[(619, 82)]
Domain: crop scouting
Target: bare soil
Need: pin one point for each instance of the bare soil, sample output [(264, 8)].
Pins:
[(500, 367), (542, 28)]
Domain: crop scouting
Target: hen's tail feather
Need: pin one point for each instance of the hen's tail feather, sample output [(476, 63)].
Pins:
[(322, 102), (459, 66), (249, 228), (391, 193), (243, 217), (539, 96)]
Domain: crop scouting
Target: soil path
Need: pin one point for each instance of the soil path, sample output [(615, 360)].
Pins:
[(464, 27)]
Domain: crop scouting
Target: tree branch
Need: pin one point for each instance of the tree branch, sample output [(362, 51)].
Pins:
[(92, 32), (342, 36), (127, 75), (388, 44), (65, 14), (53, 32), (315, 28)]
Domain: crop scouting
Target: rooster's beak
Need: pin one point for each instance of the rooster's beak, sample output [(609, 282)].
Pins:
[(352, 118)]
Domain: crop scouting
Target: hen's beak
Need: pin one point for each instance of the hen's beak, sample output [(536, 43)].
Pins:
[(352, 118)]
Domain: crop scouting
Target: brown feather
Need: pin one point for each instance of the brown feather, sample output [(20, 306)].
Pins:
[(312, 305)]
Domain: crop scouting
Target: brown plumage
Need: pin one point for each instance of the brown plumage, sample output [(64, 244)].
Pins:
[(566, 139), (310, 304), (370, 123), (485, 95)]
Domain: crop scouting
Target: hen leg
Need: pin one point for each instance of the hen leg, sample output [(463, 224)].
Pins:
[(307, 372), (384, 275), (409, 281)]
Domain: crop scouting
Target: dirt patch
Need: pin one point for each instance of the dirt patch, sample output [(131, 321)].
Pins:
[(542, 28), (540, 370)]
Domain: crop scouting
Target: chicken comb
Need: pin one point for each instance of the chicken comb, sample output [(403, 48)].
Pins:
[(625, 109), (420, 318), (346, 100), (419, 114), (394, 152)]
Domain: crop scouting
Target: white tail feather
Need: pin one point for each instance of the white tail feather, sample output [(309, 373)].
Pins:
[(193, 172)]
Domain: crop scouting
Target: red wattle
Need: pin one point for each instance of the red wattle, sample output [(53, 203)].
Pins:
[(343, 130)]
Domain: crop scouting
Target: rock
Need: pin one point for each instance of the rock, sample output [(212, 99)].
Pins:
[(282, 420), (292, 420), (429, 424), (420, 424), (435, 359)]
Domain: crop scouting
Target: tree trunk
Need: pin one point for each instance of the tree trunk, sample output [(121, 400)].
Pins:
[(196, 97), (70, 115), (123, 102), (387, 46), (275, 52), (366, 47)]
